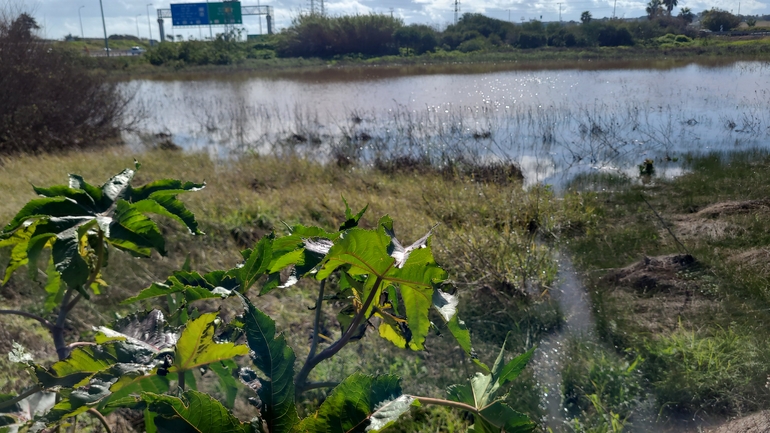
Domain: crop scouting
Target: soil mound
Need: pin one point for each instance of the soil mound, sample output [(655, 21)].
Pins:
[(733, 207), (654, 274), (755, 423), (658, 291)]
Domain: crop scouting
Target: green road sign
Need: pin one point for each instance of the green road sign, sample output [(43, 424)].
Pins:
[(225, 13)]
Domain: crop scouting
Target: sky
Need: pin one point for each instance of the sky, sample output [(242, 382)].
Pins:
[(60, 17)]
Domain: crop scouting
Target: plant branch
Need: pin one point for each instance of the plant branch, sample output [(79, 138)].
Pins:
[(101, 418), (665, 225), (20, 397), (180, 377), (43, 321), (315, 385), (316, 321), (339, 344), (448, 403), (79, 344)]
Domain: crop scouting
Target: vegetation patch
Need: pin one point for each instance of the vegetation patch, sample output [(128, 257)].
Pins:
[(678, 276)]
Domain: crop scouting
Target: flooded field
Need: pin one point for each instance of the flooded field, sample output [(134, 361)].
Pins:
[(554, 123)]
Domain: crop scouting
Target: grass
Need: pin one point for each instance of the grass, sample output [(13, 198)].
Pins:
[(482, 226), (697, 323)]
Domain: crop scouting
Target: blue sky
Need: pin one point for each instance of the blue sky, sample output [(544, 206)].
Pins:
[(60, 17)]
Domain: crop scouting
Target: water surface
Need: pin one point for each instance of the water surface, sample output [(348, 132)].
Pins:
[(553, 122)]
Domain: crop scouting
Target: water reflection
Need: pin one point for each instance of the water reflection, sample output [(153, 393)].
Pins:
[(554, 122)]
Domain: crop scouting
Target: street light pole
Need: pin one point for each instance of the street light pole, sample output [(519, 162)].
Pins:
[(104, 25), (149, 26), (136, 19), (81, 22)]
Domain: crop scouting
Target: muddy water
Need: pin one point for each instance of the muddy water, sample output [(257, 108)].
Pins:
[(552, 122)]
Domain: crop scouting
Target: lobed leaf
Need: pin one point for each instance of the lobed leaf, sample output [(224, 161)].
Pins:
[(193, 412), (275, 359), (196, 345), (360, 403)]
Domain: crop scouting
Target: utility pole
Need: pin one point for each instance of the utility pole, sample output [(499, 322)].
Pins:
[(136, 19), (81, 23), (211, 32), (391, 12), (559, 10), (322, 8), (457, 10), (106, 44), (613, 8), (149, 26), (509, 15)]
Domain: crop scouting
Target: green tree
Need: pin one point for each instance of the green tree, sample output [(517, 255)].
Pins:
[(417, 37), (585, 17), (686, 15), (654, 8), (751, 21), (670, 5), (718, 20)]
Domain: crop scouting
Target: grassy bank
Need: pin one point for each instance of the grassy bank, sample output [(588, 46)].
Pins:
[(715, 50), (678, 274), (486, 240)]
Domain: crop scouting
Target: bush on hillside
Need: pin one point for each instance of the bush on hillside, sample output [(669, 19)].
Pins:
[(323, 36), (50, 100)]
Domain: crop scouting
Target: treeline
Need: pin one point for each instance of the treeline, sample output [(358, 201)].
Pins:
[(375, 35)]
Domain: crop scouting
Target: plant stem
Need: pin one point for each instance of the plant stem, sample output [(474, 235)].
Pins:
[(20, 397), (43, 321), (57, 331), (339, 344), (316, 321), (315, 385), (80, 344), (448, 403), (101, 418), (180, 379)]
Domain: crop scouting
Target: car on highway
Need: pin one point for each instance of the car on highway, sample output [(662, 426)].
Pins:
[(135, 51)]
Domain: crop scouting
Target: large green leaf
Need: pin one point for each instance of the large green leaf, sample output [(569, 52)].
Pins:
[(276, 360), (193, 286), (193, 412), (196, 345), (413, 270), (68, 214), (360, 403)]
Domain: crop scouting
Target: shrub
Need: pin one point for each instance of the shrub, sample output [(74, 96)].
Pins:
[(611, 36), (530, 40), (419, 38), (50, 100), (718, 20), (322, 36)]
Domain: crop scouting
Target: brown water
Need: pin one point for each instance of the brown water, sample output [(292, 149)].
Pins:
[(552, 122)]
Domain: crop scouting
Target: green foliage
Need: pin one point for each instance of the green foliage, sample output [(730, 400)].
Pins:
[(317, 35), (418, 38), (718, 20), (360, 403), (78, 221), (717, 367), (134, 362), (593, 373), (193, 412)]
